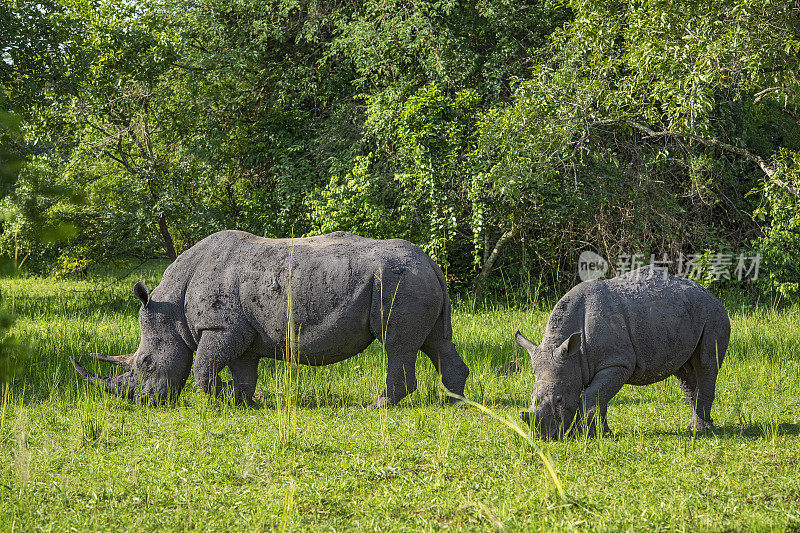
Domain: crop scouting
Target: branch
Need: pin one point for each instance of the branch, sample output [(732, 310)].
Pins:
[(501, 242), (770, 172), (792, 114), (146, 129), (98, 128), (121, 160), (761, 94), (132, 133), (787, 92), (489, 262)]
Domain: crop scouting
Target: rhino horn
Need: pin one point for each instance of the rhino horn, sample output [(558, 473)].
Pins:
[(121, 360), (116, 386), (525, 343)]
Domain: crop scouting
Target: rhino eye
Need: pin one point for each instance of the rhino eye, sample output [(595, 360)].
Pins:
[(148, 363), (558, 398)]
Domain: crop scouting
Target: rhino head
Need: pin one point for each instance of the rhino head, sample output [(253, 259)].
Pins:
[(557, 390), (157, 371)]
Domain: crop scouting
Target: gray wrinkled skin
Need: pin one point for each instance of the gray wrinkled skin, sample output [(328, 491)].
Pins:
[(639, 328), (226, 300)]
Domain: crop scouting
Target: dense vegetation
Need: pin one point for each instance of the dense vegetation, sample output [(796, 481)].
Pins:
[(499, 135)]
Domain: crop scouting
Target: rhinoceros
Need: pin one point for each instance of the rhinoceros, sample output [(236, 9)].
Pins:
[(226, 300), (638, 328)]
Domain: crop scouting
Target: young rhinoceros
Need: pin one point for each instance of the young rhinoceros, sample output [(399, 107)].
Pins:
[(639, 328), (226, 300)]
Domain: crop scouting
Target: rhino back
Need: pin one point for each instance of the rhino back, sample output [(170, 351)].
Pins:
[(650, 324), (330, 279)]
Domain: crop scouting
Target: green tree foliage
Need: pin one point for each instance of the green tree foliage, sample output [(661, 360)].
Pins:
[(654, 117), (427, 72), (99, 141), (426, 199), (780, 244), (495, 134), (10, 165), (358, 203), (274, 109)]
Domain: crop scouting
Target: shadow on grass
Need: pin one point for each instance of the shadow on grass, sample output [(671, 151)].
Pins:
[(757, 430), (627, 400), (75, 304), (735, 431)]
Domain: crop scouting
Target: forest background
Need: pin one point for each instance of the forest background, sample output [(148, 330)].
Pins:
[(504, 137)]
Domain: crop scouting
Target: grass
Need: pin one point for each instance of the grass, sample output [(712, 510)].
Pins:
[(73, 458)]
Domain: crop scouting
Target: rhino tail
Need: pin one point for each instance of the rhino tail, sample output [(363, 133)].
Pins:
[(384, 286), (712, 345), (444, 318)]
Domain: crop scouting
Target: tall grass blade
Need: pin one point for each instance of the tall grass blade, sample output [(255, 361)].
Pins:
[(522, 433)]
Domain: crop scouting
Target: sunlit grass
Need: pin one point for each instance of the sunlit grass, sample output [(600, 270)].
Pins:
[(72, 457)]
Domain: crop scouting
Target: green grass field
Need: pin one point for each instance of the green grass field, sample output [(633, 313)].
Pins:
[(313, 459)]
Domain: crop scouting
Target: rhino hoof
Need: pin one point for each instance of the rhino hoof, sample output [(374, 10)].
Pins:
[(700, 425), (381, 403), (457, 403), (253, 403)]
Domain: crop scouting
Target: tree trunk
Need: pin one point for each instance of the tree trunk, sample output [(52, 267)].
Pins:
[(490, 260), (169, 246)]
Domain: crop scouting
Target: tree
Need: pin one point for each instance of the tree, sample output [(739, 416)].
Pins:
[(652, 117), (94, 92), (428, 71), (495, 135), (10, 164)]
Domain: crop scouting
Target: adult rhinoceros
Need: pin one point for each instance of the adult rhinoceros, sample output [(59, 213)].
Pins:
[(226, 300)]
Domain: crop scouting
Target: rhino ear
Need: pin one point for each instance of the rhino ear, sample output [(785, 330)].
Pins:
[(569, 347), (525, 343), (142, 292)]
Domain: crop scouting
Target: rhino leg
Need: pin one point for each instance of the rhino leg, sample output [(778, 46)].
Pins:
[(448, 363), (604, 386), (244, 371), (697, 378), (404, 337), (401, 379), (698, 386), (217, 349)]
